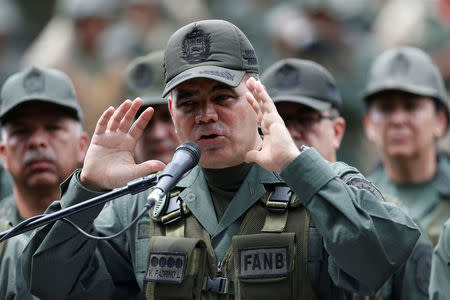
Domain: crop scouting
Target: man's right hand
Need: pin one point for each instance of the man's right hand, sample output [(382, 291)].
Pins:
[(109, 161)]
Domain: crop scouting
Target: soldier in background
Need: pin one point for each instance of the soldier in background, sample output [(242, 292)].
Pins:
[(407, 112), (309, 102), (144, 78), (42, 139)]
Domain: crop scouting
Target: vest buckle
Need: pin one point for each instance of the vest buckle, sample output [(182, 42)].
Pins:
[(280, 199), (218, 285)]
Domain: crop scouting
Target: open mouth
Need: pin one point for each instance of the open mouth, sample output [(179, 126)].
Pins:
[(209, 136)]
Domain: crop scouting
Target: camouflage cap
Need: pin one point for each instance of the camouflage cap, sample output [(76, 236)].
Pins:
[(144, 77), (406, 69), (213, 49), (301, 81), (36, 84)]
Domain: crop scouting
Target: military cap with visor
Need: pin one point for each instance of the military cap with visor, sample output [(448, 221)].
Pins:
[(213, 49), (409, 70), (144, 78), (37, 84), (301, 81)]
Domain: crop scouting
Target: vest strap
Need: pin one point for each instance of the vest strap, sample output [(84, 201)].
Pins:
[(175, 229), (279, 200), (275, 222), (218, 285), (176, 209), (277, 209)]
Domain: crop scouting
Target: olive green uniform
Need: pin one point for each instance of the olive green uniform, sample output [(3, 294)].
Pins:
[(440, 269), (6, 183), (12, 285), (412, 281), (351, 232), (8, 210), (428, 203)]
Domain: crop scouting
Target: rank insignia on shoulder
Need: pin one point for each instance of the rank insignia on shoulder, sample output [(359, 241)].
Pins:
[(167, 267), (264, 262)]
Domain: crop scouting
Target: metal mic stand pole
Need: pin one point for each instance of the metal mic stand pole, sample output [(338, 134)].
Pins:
[(132, 187)]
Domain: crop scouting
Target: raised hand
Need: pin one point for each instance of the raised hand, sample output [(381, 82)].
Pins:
[(278, 148), (109, 161)]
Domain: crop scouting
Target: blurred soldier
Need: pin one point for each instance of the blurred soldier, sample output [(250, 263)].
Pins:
[(144, 78), (309, 102), (232, 227), (307, 99), (407, 112), (42, 139)]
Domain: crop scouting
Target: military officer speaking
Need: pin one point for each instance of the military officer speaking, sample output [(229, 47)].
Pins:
[(257, 219)]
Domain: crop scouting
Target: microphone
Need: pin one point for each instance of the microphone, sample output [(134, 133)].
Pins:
[(186, 156)]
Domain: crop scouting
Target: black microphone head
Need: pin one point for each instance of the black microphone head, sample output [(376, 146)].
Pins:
[(193, 149)]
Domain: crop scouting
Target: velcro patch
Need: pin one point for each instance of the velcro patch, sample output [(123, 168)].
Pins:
[(143, 230), (266, 262), (167, 267)]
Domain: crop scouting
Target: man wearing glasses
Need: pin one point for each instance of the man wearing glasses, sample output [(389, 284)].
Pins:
[(307, 99), (407, 112)]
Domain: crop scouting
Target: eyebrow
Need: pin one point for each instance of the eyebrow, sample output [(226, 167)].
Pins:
[(189, 93)]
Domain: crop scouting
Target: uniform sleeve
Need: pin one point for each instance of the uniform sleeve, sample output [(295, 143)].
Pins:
[(440, 267), (411, 281), (12, 284), (61, 263), (366, 238)]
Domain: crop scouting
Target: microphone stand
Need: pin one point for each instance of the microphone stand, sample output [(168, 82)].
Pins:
[(133, 187)]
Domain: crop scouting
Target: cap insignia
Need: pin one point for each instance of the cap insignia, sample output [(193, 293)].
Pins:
[(287, 77), (400, 65), (142, 76), (34, 82), (196, 46)]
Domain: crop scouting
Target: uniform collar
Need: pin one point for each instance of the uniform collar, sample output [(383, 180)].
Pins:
[(197, 197)]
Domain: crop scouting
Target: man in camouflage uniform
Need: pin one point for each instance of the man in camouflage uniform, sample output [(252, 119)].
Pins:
[(144, 78), (257, 219), (307, 99), (42, 139)]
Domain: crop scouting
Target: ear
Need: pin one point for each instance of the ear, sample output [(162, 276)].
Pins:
[(338, 130), (441, 122), (83, 144), (3, 155), (170, 104), (369, 128)]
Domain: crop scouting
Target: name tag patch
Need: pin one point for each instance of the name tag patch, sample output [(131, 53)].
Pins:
[(167, 267), (266, 262)]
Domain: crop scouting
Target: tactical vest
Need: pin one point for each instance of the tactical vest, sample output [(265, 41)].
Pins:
[(267, 258), (4, 225)]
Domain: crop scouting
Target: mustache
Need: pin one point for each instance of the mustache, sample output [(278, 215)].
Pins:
[(35, 155)]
